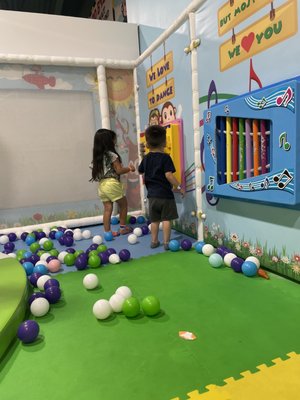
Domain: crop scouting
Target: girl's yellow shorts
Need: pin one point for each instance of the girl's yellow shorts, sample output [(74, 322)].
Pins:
[(110, 189)]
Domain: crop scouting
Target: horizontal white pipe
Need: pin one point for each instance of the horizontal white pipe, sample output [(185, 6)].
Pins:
[(66, 61)]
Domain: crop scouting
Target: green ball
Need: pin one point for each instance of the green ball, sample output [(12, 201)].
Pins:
[(20, 253), (131, 307), (40, 252), (94, 261), (69, 259), (93, 253), (34, 247), (128, 219), (54, 252), (101, 248), (48, 245), (151, 305)]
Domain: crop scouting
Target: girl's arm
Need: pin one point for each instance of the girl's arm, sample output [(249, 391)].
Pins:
[(120, 170)]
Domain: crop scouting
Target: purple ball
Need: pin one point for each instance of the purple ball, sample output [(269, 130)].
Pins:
[(132, 220), (81, 261), (40, 235), (9, 246), (34, 296), (12, 237), (93, 246), (51, 282), (28, 331), (110, 251), (145, 229), (236, 264), (61, 240), (24, 236), (69, 233), (34, 258), (104, 257), (60, 228), (124, 254), (220, 250), (53, 294), (71, 250), (68, 240), (52, 234), (34, 277), (186, 244)]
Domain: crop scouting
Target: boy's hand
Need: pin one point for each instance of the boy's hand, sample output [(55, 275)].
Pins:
[(131, 167)]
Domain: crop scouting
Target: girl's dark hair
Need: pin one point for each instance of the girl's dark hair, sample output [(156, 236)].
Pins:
[(104, 141)]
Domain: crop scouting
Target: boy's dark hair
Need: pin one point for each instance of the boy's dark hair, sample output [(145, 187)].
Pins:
[(155, 136)]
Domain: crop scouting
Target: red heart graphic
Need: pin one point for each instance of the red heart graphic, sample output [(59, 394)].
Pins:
[(247, 41)]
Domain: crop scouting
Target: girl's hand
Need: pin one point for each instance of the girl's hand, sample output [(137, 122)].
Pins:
[(131, 167)]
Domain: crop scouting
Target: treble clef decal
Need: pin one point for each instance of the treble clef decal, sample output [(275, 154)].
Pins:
[(213, 201)]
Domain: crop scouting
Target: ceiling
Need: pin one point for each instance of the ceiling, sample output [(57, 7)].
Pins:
[(71, 8)]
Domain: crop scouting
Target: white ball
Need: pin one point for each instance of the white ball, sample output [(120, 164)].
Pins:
[(116, 302), (46, 231), (124, 291), (149, 227), (102, 309), (114, 259), (90, 281), (132, 238), (12, 255), (19, 233), (39, 307), (228, 258), (4, 239), (160, 226), (77, 230), (97, 239), (44, 256), (255, 260), (86, 234), (42, 280), (42, 262), (62, 255), (42, 241), (138, 232), (208, 250), (77, 236)]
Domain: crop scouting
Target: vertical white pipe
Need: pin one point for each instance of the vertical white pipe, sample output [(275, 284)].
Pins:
[(138, 131), (103, 97), (196, 127)]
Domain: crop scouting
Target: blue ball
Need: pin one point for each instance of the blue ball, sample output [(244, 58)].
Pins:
[(198, 246), (249, 268), (40, 269), (27, 254), (28, 266), (174, 245), (215, 260), (29, 240), (58, 235), (108, 236), (114, 220), (141, 219)]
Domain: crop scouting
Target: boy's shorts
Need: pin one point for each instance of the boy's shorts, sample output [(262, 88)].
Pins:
[(162, 209), (110, 189)]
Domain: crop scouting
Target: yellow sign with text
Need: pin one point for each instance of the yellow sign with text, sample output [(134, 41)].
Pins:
[(159, 70), (231, 15), (161, 94), (260, 36)]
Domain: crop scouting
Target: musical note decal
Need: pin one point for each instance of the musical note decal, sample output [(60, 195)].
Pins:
[(283, 179), (283, 142), (211, 184), (285, 98)]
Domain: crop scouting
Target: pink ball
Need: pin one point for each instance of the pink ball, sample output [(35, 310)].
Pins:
[(54, 265)]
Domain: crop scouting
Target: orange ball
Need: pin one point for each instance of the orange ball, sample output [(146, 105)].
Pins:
[(54, 265)]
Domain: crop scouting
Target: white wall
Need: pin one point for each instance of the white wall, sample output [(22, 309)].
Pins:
[(52, 35), (156, 13)]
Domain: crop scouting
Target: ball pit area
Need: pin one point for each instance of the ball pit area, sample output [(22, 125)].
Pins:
[(230, 315)]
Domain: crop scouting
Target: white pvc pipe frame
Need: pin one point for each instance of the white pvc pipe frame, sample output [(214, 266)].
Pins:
[(101, 64)]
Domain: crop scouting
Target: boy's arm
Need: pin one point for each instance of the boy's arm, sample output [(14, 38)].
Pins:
[(172, 179)]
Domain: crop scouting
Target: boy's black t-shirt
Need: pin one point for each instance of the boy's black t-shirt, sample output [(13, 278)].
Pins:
[(154, 166)]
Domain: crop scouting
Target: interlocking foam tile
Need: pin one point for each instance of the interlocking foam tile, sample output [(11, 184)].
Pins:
[(277, 382)]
